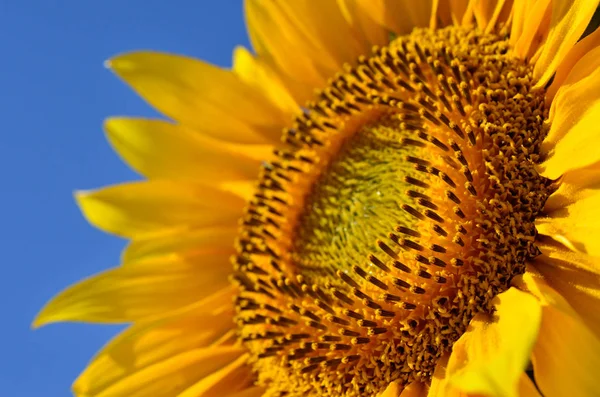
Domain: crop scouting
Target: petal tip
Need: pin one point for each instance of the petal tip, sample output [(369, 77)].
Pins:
[(43, 317)]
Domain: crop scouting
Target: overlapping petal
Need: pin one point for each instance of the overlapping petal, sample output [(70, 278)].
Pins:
[(576, 225), (144, 355), (230, 379), (574, 115), (144, 208), (529, 28), (140, 290), (568, 22), (367, 31), (491, 356), (160, 149), (566, 354), (579, 50), (287, 49), (255, 73), (572, 215), (575, 185), (203, 241), (576, 277), (200, 95), (489, 13), (400, 16)]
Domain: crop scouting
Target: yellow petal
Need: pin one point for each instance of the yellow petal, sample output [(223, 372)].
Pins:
[(140, 290), (575, 185), (367, 30), (535, 24), (518, 19), (393, 390), (200, 95), (159, 149), (489, 13), (453, 12), (143, 208), (577, 278), (527, 387), (483, 10), (400, 16), (490, 357), (305, 44), (255, 391), (205, 241), (569, 20), (234, 377), (440, 386), (327, 29), (255, 73), (151, 342), (575, 114), (577, 225), (285, 48), (580, 49), (566, 356), (169, 377), (243, 189), (414, 389)]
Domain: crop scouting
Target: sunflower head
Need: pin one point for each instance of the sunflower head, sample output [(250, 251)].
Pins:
[(402, 204), (420, 228)]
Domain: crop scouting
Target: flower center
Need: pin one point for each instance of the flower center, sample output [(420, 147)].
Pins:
[(401, 206)]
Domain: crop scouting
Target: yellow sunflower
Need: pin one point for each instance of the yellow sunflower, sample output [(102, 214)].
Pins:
[(425, 225)]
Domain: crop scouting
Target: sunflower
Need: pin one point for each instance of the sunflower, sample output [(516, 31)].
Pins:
[(385, 198)]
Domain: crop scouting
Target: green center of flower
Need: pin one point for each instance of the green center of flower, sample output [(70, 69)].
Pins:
[(402, 205), (356, 201)]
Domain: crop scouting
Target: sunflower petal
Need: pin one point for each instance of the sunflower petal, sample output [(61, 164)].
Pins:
[(233, 378), (577, 225), (577, 278), (414, 389), (518, 19), (400, 16), (197, 94), (527, 387), (149, 343), (277, 41), (369, 32), (492, 354), (393, 390), (569, 20), (489, 13), (483, 10), (575, 185), (144, 208), (159, 149), (169, 377), (581, 48), (566, 356), (134, 292), (205, 241), (530, 30), (327, 29), (440, 385), (254, 72), (255, 391), (575, 116)]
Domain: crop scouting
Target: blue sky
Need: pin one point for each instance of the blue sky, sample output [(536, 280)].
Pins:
[(54, 95)]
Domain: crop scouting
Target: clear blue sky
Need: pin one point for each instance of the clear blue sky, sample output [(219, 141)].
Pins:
[(54, 94)]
